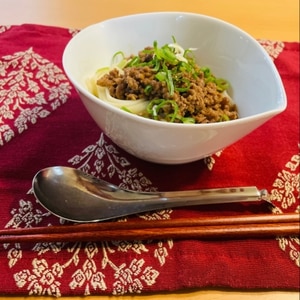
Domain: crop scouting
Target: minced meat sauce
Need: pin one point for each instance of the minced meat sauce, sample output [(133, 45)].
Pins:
[(201, 101)]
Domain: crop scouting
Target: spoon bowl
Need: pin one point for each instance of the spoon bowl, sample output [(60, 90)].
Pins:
[(76, 196)]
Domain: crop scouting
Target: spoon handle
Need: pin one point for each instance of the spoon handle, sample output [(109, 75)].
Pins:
[(215, 196), (163, 200)]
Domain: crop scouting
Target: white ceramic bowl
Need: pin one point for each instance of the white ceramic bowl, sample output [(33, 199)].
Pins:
[(229, 52)]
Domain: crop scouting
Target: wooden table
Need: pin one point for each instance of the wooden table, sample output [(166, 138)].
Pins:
[(264, 19)]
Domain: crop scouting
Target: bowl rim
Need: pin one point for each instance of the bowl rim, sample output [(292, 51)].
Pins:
[(78, 85)]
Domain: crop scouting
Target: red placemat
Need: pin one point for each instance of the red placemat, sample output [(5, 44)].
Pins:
[(43, 123)]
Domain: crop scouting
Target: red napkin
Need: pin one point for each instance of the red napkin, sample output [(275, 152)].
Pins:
[(43, 123)]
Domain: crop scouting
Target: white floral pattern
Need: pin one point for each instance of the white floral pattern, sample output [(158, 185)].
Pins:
[(4, 28), (92, 160), (210, 161), (30, 88), (91, 259), (42, 279), (286, 185), (273, 48), (285, 195), (73, 31)]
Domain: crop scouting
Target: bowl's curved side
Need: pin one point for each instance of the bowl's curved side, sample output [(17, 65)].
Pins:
[(256, 86), (169, 143)]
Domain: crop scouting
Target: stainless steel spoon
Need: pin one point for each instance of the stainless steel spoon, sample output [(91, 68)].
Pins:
[(73, 195)]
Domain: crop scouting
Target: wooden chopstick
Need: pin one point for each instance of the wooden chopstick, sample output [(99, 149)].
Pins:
[(212, 227)]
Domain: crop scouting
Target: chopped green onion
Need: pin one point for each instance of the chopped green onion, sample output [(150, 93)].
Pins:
[(156, 64), (188, 120), (102, 70), (170, 84), (161, 76), (148, 89), (224, 118), (126, 109), (206, 72), (169, 55), (114, 58), (150, 107), (186, 88), (154, 107), (222, 84), (133, 62)]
